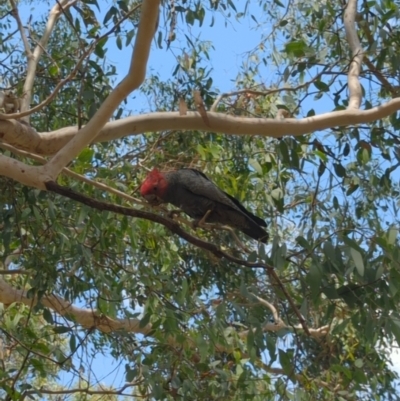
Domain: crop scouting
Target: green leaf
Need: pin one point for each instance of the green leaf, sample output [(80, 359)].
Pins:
[(395, 327), (129, 35), (294, 159), (160, 39), (392, 235), (284, 152), (109, 14), (250, 343), (201, 151), (278, 256), (185, 288), (144, 321), (321, 169), (119, 42), (352, 244), (330, 292), (359, 363), (286, 361), (296, 48), (346, 149), (256, 165), (232, 5), (321, 155), (358, 260), (130, 374), (54, 70), (352, 189), (339, 170), (190, 17), (203, 348), (99, 51), (314, 278), (277, 193), (321, 86), (72, 343), (48, 316), (61, 329), (86, 155), (38, 366), (303, 242)]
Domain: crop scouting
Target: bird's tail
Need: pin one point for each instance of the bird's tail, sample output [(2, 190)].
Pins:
[(257, 233)]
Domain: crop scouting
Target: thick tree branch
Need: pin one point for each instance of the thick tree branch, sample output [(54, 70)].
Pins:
[(355, 92), (22, 136), (47, 143), (74, 175), (87, 318), (136, 75), (20, 172), (37, 176)]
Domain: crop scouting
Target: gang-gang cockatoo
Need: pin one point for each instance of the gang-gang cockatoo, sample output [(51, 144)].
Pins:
[(194, 193)]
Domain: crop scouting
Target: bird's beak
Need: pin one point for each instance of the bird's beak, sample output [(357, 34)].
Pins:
[(153, 200)]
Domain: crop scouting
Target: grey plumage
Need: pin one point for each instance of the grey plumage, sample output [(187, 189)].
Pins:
[(193, 192)]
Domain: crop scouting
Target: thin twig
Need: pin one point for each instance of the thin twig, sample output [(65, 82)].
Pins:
[(21, 28), (264, 93), (271, 307), (71, 75)]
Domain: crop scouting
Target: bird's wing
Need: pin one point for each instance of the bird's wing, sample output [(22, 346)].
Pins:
[(257, 219), (198, 183)]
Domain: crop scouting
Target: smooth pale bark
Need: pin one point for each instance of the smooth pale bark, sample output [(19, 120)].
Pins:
[(47, 143)]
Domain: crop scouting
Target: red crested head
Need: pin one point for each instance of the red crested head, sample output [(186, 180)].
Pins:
[(154, 186)]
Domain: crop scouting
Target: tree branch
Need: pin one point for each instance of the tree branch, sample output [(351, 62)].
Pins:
[(18, 171), (37, 176), (87, 318), (132, 81), (47, 143), (271, 307), (172, 225), (33, 59), (355, 92), (87, 390), (266, 92), (15, 14), (381, 78)]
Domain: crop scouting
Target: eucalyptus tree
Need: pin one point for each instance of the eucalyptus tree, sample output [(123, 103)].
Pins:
[(306, 137)]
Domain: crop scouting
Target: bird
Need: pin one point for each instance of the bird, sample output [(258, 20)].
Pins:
[(193, 192)]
